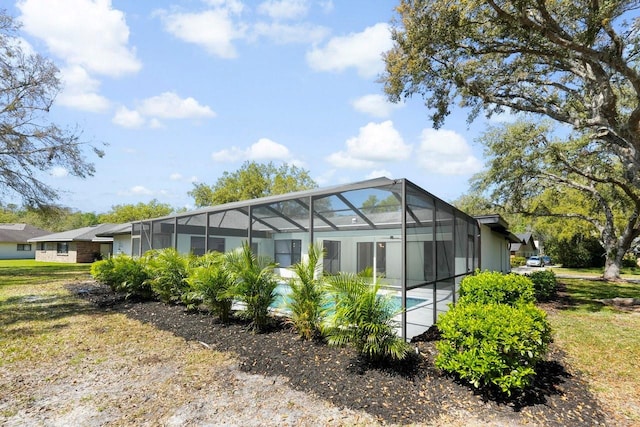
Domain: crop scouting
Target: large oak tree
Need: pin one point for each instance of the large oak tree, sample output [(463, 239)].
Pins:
[(573, 61), (253, 180), (30, 145)]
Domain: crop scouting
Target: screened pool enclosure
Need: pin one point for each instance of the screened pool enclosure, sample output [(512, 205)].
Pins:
[(419, 247)]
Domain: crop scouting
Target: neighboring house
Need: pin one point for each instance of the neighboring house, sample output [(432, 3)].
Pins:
[(14, 240), (81, 245), (526, 247), (495, 243)]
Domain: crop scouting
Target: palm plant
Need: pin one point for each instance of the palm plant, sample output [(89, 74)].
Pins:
[(209, 283), (306, 296), (168, 270), (252, 282), (363, 318)]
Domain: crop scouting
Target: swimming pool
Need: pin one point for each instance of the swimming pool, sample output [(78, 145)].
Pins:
[(283, 290)]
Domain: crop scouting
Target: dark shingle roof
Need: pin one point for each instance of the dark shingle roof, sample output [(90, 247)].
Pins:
[(84, 234), (19, 232)]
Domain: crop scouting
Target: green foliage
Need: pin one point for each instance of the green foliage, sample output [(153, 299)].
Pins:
[(209, 283), (124, 275), (630, 261), (544, 284), (493, 344), (518, 261), (253, 283), (520, 57), (494, 287), (305, 302), (251, 181), (168, 270), (363, 318), (579, 251), (126, 213)]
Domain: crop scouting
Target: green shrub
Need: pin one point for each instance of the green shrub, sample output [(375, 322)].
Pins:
[(167, 273), (252, 282), (630, 260), (544, 284), (493, 344), (518, 261), (306, 298), (494, 287), (124, 274), (103, 272), (209, 283), (364, 319)]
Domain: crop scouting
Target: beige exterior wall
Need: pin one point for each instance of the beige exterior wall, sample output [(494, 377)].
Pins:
[(79, 252)]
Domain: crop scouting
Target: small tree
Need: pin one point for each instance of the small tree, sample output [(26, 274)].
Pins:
[(363, 318), (252, 282), (306, 297)]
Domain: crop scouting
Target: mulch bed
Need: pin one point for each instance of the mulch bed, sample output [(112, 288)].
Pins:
[(414, 392)]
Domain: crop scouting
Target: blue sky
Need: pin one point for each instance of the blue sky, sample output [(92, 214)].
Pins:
[(182, 91)]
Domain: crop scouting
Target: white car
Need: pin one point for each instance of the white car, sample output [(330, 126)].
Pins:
[(535, 261)]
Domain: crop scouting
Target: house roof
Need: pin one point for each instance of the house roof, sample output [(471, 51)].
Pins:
[(19, 232), (115, 229), (497, 224), (84, 234)]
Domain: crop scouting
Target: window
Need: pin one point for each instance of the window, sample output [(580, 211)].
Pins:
[(24, 246), (331, 262), (288, 252), (366, 259), (197, 245), (42, 246), (63, 248), (216, 244)]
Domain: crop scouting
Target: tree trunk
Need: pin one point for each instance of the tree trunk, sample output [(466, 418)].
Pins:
[(613, 261), (611, 269)]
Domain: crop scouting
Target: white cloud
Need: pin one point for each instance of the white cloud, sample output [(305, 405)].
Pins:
[(378, 173), (81, 91), (285, 34), (326, 6), (375, 143), (362, 51), (214, 29), (167, 105), (446, 152), (137, 190), (375, 105), (284, 9), (58, 172), (264, 149), (175, 176), (87, 33), (128, 118)]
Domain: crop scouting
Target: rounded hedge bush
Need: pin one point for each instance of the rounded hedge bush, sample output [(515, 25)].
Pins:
[(494, 287), (493, 344), (544, 284)]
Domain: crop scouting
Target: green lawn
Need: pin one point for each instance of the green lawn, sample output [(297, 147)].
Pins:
[(627, 273), (602, 342)]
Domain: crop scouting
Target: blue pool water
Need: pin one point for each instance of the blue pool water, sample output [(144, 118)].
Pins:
[(283, 291)]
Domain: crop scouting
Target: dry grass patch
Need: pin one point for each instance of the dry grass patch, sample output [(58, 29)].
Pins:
[(63, 362)]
